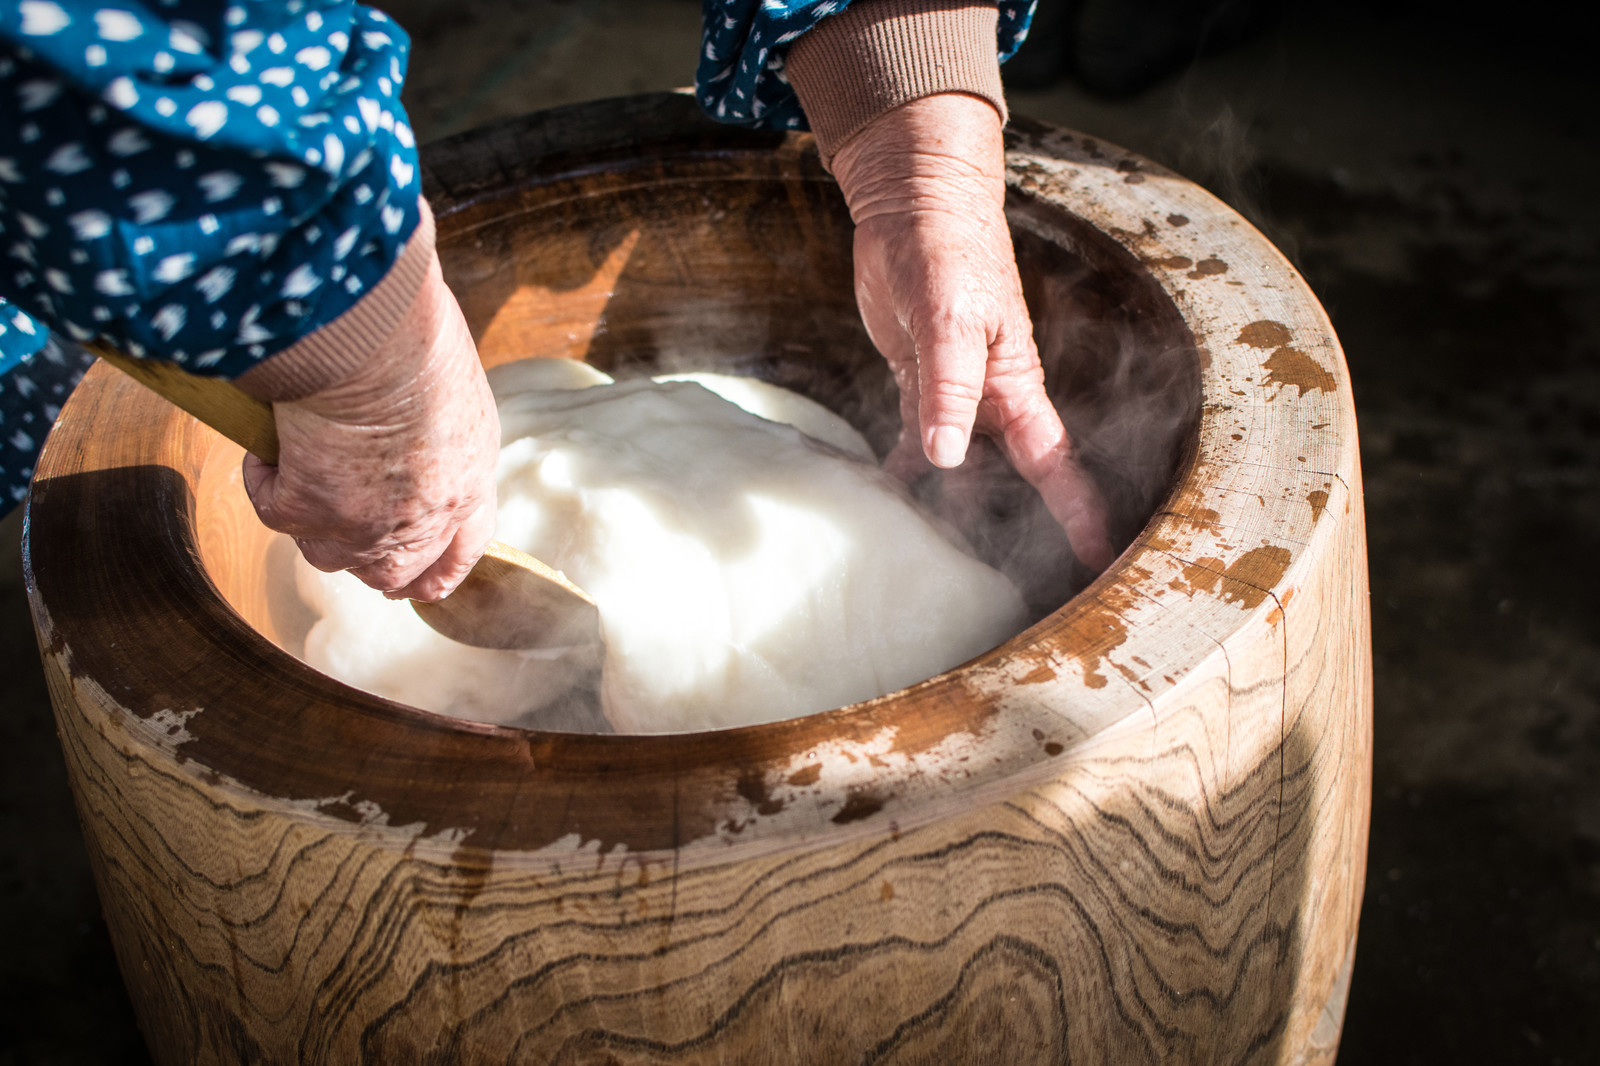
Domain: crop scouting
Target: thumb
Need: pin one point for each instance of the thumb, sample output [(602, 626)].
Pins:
[(261, 485), (951, 362)]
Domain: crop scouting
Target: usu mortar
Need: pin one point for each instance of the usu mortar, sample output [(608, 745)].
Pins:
[(1134, 833)]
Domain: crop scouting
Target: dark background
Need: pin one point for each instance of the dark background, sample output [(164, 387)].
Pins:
[(1430, 167)]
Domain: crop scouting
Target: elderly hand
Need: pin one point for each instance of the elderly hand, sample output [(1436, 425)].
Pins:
[(390, 474), (936, 280)]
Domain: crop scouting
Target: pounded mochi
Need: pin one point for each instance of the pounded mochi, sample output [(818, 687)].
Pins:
[(743, 572), (777, 404)]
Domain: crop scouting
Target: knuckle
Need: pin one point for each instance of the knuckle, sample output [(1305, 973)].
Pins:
[(944, 392), (386, 574), (949, 325)]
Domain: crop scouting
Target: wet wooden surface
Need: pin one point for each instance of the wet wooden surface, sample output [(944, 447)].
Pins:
[(1134, 833)]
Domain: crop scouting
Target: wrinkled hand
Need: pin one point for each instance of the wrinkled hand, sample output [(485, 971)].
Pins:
[(390, 474), (936, 280)]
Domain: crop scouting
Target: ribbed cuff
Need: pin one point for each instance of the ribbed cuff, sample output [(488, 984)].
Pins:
[(878, 54), (336, 351)]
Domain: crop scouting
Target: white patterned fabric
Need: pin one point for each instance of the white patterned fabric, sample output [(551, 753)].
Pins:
[(191, 180)]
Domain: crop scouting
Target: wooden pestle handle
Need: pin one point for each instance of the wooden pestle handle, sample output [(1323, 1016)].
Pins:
[(217, 402)]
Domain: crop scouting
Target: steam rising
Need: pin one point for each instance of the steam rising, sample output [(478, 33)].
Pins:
[(1219, 153)]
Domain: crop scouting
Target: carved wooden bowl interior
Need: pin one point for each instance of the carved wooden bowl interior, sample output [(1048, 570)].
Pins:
[(1135, 832)]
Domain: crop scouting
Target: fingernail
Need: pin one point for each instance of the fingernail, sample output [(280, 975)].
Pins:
[(947, 447)]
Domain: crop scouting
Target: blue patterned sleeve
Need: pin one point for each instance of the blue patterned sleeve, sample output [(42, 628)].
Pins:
[(740, 79), (193, 180)]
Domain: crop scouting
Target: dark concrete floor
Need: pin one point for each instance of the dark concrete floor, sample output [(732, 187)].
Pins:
[(1430, 168)]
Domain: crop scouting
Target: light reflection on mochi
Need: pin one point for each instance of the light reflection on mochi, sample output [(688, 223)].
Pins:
[(744, 572)]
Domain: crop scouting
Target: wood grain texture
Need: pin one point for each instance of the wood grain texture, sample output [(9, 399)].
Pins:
[(1133, 834)]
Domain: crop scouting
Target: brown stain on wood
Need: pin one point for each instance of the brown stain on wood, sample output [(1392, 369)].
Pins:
[(1255, 573), (858, 805), (1171, 262), (1040, 674), (1098, 631), (1246, 581), (1265, 333), (1318, 499), (1208, 268), (1129, 673), (1288, 367), (806, 775), (753, 789), (1177, 220), (886, 893), (1202, 575)]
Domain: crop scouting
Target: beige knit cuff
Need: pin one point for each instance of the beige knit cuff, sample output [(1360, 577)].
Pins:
[(334, 352), (878, 54)]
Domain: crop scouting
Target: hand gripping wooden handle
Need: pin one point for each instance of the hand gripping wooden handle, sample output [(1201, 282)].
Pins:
[(217, 402), (509, 600)]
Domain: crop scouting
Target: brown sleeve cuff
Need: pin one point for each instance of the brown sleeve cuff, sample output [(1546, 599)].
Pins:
[(878, 54), (333, 353)]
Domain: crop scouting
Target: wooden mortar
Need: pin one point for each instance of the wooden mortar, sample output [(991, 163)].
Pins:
[(1134, 833)]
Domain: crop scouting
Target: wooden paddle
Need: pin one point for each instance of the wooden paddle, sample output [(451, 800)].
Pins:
[(510, 600)]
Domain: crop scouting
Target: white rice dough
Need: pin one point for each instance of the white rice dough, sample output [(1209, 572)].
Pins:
[(382, 646), (541, 375), (744, 573), (776, 404)]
